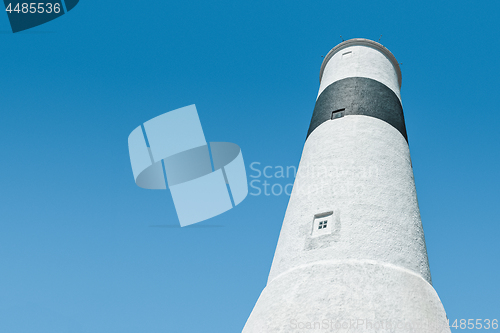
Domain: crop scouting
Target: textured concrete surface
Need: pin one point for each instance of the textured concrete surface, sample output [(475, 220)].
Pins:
[(359, 96), (373, 266), (366, 43), (358, 167), (364, 62), (363, 296)]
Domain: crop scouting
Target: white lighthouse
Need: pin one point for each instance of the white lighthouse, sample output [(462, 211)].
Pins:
[(351, 255)]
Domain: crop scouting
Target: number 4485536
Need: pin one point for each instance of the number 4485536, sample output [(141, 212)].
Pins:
[(34, 7), (474, 324)]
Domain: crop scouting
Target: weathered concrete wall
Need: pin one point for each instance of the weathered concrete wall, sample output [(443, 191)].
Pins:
[(358, 167), (363, 62), (362, 295), (359, 96)]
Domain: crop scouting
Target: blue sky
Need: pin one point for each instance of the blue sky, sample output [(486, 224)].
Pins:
[(83, 249)]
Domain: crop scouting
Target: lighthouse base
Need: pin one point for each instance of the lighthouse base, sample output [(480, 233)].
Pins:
[(348, 296)]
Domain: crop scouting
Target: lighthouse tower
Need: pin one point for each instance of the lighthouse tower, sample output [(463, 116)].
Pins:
[(351, 255)]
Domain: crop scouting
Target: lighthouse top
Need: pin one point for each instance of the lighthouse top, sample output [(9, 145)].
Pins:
[(362, 42)]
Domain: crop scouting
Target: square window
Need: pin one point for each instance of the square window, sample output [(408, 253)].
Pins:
[(320, 224), (338, 113)]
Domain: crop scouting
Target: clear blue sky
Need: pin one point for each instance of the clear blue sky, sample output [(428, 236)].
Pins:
[(83, 249)]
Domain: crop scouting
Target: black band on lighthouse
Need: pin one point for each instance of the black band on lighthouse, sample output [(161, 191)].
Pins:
[(359, 96)]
